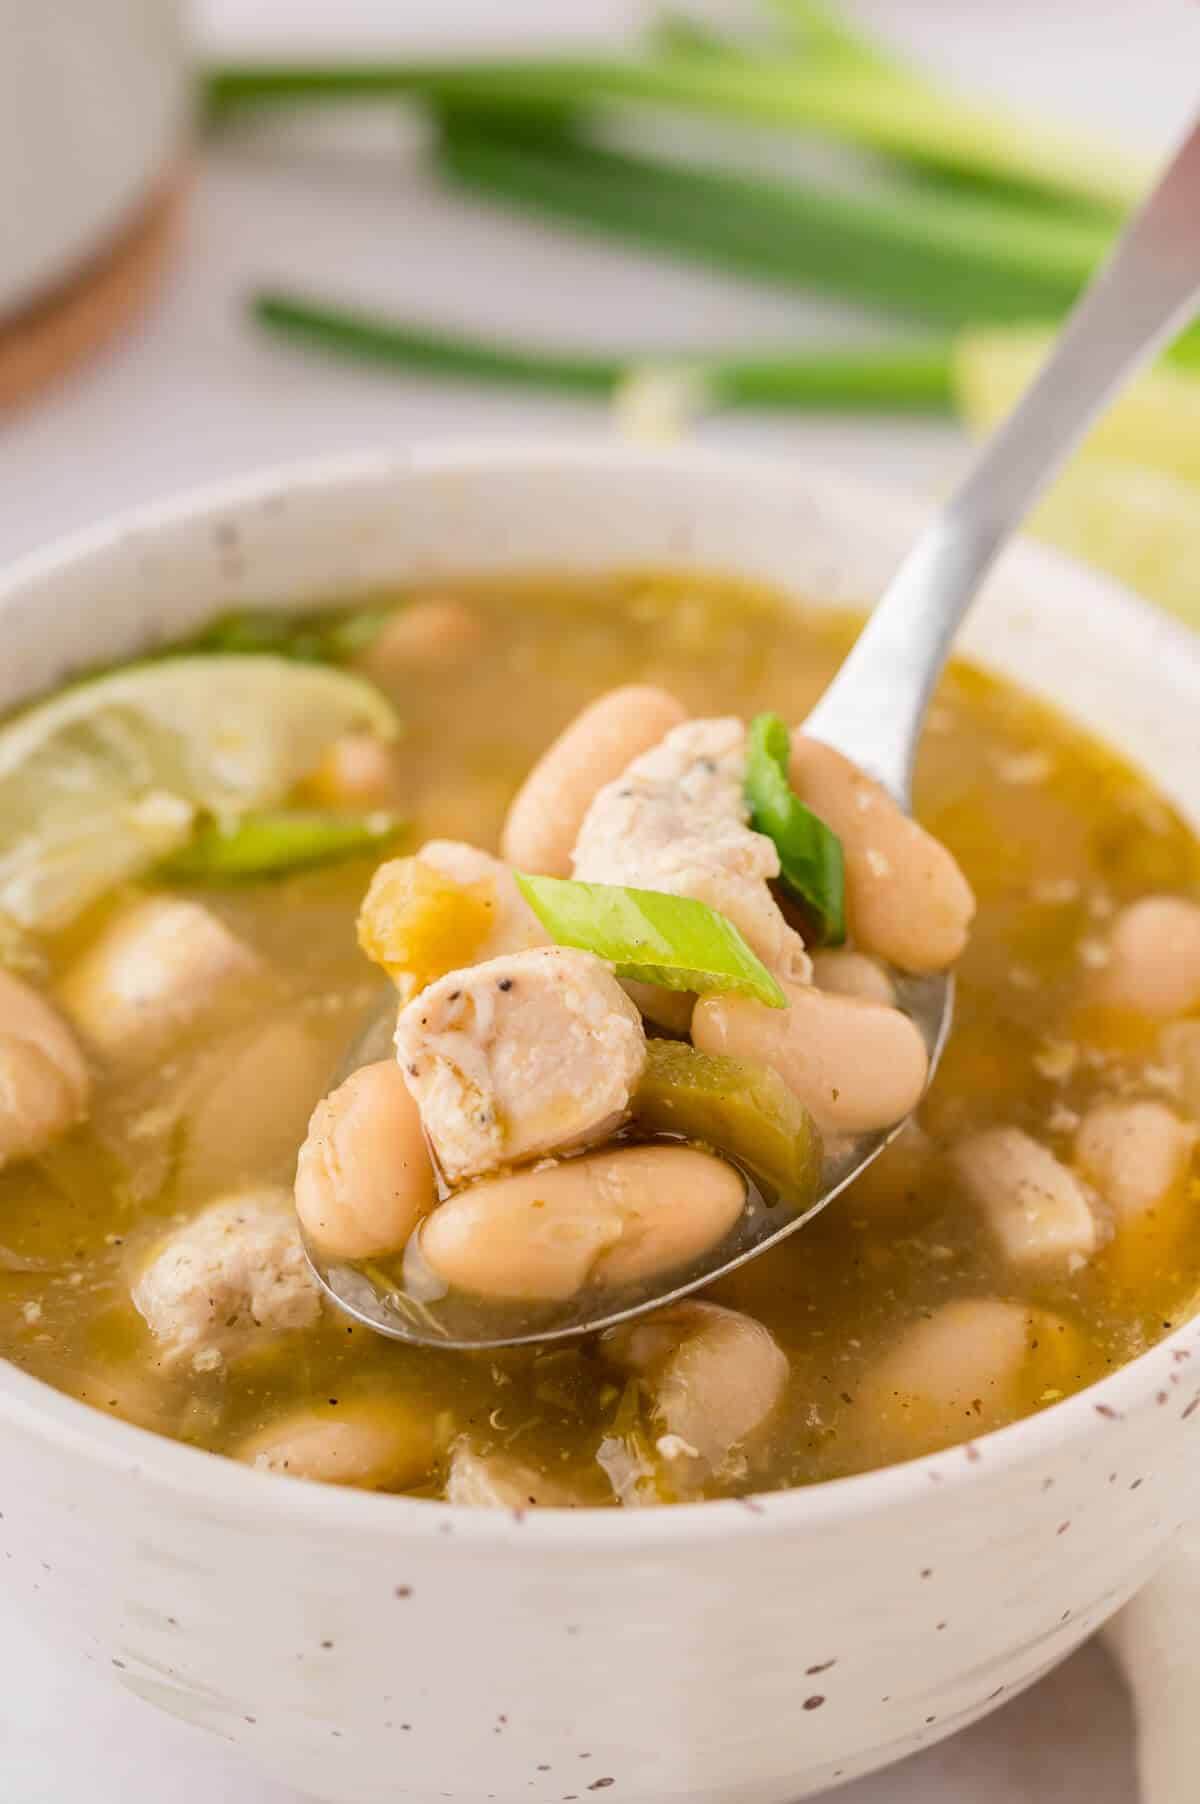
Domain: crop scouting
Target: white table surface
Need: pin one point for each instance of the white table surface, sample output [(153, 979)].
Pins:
[(194, 395)]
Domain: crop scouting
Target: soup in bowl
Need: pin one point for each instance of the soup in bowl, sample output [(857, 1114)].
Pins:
[(921, 1442)]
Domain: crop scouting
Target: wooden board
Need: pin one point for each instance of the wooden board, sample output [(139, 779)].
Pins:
[(81, 316)]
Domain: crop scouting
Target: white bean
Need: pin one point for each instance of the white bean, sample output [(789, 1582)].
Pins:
[(430, 634), (854, 1065), (364, 1177), (1033, 1205), (670, 1009), (133, 1390), (372, 1446), (547, 813), (717, 1375), (846, 973), (966, 1368), (160, 965), (970, 1348), (358, 770), (1134, 1153), (45, 1086), (501, 1482), (226, 1135), (907, 901), (1154, 957), (607, 1217)]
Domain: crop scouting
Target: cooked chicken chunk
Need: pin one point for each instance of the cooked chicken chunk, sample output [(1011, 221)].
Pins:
[(451, 905), (514, 926), (521, 1055), (676, 820), (236, 1271)]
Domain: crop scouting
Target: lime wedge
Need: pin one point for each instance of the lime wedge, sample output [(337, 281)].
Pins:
[(1155, 423), (102, 781), (1138, 525)]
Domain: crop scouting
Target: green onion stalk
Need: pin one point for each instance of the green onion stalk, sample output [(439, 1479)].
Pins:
[(822, 88), (902, 378)]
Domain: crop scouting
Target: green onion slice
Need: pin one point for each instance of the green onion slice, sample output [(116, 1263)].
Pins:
[(269, 842), (672, 941), (810, 855)]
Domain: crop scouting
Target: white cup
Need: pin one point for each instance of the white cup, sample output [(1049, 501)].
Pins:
[(93, 107)]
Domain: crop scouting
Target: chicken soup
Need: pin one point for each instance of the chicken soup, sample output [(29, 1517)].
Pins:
[(642, 953)]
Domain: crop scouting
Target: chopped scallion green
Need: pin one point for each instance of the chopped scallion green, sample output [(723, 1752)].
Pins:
[(902, 378), (672, 941), (810, 854), (327, 637), (270, 842)]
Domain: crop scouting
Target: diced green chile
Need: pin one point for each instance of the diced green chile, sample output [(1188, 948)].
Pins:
[(652, 937), (738, 1107), (811, 866)]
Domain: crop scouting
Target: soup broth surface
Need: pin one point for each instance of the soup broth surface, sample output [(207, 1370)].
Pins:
[(1054, 832)]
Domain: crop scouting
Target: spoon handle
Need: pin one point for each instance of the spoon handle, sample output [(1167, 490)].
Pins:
[(1145, 293)]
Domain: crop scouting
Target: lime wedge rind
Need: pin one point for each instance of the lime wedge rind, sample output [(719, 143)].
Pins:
[(105, 779)]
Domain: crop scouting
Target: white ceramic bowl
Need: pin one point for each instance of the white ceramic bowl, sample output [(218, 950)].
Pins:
[(369, 1648), (93, 104)]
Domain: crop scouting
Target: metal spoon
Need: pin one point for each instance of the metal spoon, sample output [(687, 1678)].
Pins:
[(872, 712)]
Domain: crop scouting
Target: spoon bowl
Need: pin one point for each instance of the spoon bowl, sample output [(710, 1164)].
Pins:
[(399, 1299)]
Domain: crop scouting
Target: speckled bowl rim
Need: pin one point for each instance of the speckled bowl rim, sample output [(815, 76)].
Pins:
[(1168, 1373)]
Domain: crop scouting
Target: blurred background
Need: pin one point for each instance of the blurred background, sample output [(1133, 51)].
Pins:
[(861, 210)]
